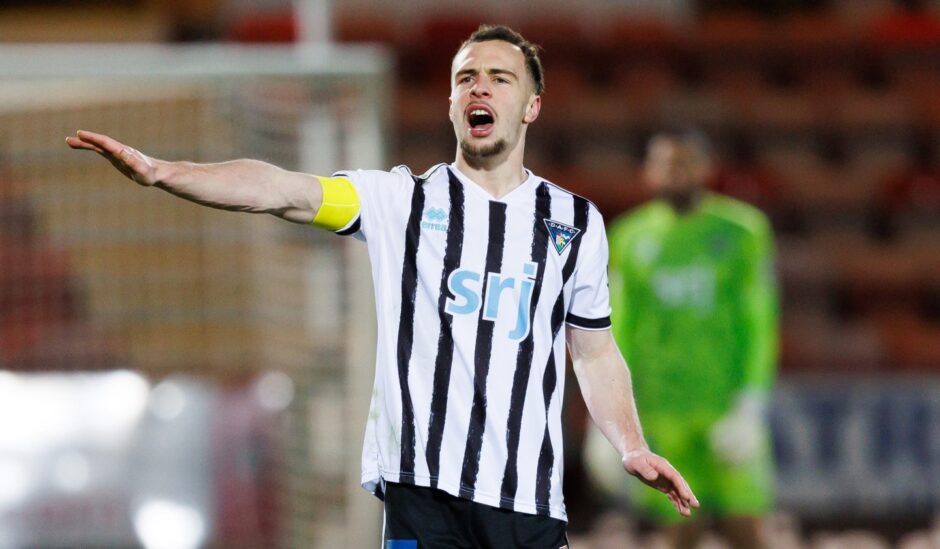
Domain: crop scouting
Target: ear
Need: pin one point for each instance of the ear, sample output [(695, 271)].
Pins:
[(532, 111)]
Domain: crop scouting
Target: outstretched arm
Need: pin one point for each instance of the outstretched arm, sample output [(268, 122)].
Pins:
[(608, 392), (237, 185)]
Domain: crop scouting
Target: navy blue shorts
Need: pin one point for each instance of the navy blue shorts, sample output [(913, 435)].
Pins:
[(425, 518)]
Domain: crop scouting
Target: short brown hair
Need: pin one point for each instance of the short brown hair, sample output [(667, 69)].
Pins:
[(531, 51)]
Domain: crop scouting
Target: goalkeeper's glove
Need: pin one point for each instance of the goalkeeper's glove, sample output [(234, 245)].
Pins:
[(738, 436)]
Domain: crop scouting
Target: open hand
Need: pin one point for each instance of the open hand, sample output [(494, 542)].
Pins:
[(130, 162), (658, 473)]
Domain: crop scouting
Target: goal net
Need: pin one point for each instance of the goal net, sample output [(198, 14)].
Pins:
[(261, 330)]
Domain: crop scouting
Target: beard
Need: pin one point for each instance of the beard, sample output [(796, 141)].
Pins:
[(482, 152), (682, 199)]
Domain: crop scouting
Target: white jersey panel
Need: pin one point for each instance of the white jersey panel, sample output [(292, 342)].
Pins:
[(384, 199), (590, 299)]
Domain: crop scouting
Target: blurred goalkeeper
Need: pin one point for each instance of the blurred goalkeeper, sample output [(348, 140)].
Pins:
[(695, 313)]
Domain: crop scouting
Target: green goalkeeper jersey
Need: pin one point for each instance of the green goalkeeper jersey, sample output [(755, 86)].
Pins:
[(694, 304)]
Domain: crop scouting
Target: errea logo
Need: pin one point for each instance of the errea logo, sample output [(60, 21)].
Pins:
[(435, 219)]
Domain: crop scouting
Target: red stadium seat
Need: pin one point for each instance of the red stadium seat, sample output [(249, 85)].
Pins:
[(641, 36), (643, 84), (55, 346), (255, 27), (909, 199), (703, 109), (876, 277), (16, 217), (815, 342), (738, 33), (733, 28), (614, 186), (602, 113), (35, 284), (820, 34), (860, 111), (636, 44), (359, 27), (807, 273), (559, 36), (749, 182), (565, 87), (911, 343), (443, 34), (433, 44), (905, 29)]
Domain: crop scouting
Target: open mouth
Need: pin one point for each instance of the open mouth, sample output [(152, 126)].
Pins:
[(481, 121)]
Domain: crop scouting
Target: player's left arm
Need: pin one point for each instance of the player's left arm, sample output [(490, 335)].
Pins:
[(761, 311), (608, 392), (740, 434)]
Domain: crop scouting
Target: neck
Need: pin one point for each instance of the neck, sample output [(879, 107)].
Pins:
[(684, 202), (498, 175)]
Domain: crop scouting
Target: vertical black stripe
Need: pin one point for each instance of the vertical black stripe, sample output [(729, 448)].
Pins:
[(546, 462), (481, 358), (581, 209), (543, 475), (520, 381), (445, 341), (406, 327)]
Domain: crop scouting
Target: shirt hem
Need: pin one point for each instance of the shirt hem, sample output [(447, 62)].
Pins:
[(372, 480)]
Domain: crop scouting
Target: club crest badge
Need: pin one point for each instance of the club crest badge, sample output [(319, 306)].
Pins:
[(560, 234)]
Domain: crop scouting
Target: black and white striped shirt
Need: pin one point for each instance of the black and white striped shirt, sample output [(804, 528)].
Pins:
[(471, 296)]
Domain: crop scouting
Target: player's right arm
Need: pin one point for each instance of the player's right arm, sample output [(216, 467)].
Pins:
[(237, 185)]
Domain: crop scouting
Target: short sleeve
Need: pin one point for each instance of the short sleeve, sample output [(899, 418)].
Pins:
[(589, 308), (378, 192)]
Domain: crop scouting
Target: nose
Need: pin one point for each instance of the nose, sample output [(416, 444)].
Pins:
[(481, 87)]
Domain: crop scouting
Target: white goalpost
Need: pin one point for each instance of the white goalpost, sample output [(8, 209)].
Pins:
[(163, 287)]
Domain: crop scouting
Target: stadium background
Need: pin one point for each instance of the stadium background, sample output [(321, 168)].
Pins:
[(166, 368)]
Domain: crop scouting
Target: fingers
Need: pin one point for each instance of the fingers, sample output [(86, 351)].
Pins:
[(102, 142), (679, 484), (681, 506), (660, 474), (130, 162), (77, 143)]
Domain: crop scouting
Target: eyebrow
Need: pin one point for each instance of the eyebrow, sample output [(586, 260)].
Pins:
[(492, 71)]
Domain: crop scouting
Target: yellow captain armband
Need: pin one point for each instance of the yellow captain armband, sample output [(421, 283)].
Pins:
[(340, 204)]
